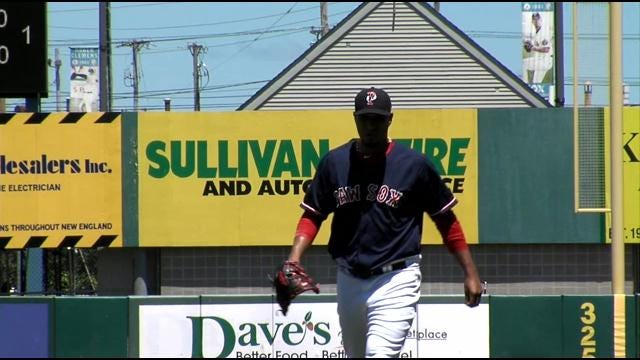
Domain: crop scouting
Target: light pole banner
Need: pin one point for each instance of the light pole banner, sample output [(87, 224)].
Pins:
[(537, 48), (84, 80)]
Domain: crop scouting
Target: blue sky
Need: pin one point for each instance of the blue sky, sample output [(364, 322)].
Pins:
[(250, 43)]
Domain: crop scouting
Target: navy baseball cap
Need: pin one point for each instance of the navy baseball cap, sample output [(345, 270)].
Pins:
[(373, 101)]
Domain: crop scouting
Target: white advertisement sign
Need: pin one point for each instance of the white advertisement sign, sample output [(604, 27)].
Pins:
[(452, 330), (308, 330), (165, 330)]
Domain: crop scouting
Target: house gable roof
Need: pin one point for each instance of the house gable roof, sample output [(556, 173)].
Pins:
[(416, 54)]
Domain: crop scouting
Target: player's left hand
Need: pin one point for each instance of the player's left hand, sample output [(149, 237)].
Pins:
[(472, 290), (290, 281)]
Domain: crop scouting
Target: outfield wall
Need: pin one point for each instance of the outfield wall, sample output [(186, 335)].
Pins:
[(252, 326)]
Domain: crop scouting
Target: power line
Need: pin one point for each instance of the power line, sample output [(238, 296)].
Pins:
[(256, 39), (155, 28), (188, 90), (152, 52), (217, 23), (472, 33), (113, 7), (87, 42)]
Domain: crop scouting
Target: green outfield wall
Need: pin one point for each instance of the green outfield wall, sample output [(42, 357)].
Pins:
[(526, 182), (96, 326), (559, 326), (252, 326)]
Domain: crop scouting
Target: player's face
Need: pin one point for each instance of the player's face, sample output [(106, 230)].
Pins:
[(537, 22), (373, 128)]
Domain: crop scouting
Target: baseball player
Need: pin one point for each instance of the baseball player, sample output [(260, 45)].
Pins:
[(538, 44), (378, 191)]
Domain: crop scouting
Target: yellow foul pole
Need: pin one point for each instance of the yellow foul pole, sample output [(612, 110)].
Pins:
[(617, 218)]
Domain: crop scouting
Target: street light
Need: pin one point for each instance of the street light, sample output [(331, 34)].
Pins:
[(588, 89)]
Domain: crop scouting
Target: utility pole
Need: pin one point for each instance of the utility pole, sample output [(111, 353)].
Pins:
[(136, 46), (324, 22), (105, 56), (324, 18), (56, 65), (136, 78), (196, 50)]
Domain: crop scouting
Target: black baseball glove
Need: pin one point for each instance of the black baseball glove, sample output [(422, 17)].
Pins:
[(290, 281), (528, 46)]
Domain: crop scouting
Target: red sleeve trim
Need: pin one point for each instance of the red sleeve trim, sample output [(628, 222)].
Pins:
[(308, 226), (451, 231), (389, 147)]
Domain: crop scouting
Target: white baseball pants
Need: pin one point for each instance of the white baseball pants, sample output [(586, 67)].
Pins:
[(376, 313)]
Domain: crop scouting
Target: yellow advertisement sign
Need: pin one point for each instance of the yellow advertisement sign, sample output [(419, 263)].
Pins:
[(631, 175), (60, 180), (237, 178)]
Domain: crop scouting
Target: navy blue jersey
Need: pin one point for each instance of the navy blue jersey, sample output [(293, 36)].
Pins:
[(378, 203)]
